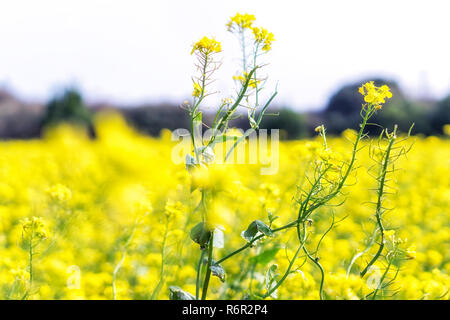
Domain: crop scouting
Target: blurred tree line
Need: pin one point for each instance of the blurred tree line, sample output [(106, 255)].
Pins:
[(341, 112)]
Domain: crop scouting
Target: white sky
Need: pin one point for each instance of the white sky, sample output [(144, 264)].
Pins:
[(134, 51)]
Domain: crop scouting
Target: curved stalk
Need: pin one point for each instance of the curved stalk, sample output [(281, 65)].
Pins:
[(322, 279), (199, 269), (288, 271), (378, 212)]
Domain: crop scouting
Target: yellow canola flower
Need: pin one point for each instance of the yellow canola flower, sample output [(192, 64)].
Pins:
[(411, 252), (390, 234), (243, 77), (264, 37), (206, 46), (197, 90), (20, 274), (375, 95), (173, 208), (35, 226), (59, 192), (201, 178), (227, 101), (243, 21)]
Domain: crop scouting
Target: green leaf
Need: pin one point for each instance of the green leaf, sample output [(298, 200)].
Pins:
[(200, 234), (261, 114), (177, 294), (254, 228), (218, 271), (265, 257)]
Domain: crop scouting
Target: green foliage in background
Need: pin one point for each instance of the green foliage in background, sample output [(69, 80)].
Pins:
[(69, 108), (292, 125), (441, 115)]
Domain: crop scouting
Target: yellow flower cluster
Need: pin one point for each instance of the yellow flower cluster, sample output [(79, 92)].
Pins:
[(242, 78), (243, 21), (389, 234), (411, 252), (173, 208), (264, 37), (59, 192), (375, 95), (35, 227), (197, 90), (227, 101), (20, 274), (319, 128), (114, 178), (206, 46)]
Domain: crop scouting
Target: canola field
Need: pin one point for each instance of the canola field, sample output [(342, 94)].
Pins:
[(110, 218)]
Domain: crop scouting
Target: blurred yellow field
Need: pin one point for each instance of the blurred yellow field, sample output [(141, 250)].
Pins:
[(117, 214)]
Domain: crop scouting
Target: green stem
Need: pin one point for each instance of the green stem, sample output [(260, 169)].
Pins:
[(30, 252), (122, 259), (163, 257), (196, 105), (115, 272), (249, 244), (208, 267), (233, 108), (379, 204), (341, 184), (355, 148), (288, 271), (381, 280), (322, 279), (199, 269)]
